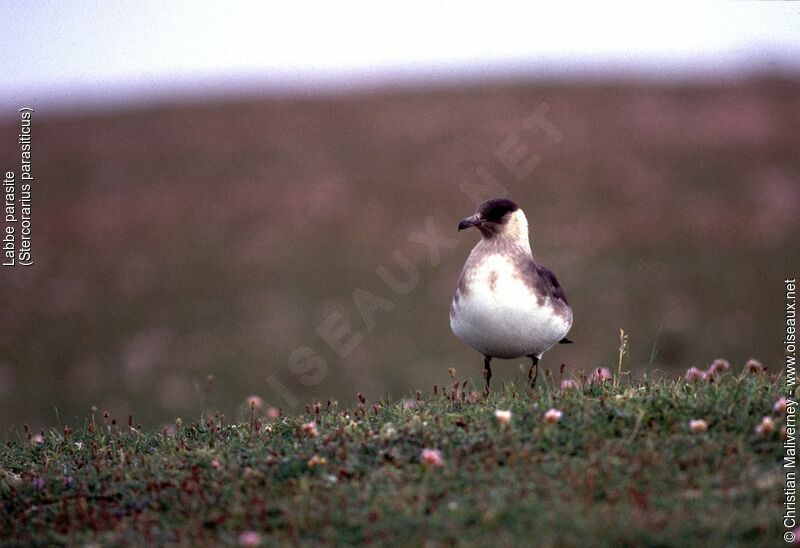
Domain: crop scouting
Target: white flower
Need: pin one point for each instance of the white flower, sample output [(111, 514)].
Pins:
[(754, 367), (766, 427), (569, 384), (694, 374), (718, 367), (698, 426), (432, 458), (600, 375), (553, 415), (249, 538), (310, 429), (503, 417)]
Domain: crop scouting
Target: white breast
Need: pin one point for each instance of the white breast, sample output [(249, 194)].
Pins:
[(499, 315)]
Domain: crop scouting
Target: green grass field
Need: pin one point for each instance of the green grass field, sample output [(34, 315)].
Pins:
[(621, 467)]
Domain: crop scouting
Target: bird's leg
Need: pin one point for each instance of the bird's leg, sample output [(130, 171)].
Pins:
[(531, 377), (487, 371)]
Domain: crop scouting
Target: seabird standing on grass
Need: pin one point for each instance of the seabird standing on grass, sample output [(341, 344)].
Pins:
[(505, 304)]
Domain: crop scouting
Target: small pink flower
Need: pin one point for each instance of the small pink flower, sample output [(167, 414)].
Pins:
[(254, 402), (569, 384), (249, 538), (38, 439), (310, 429), (754, 367), (553, 416), (698, 426), (431, 458), (766, 427), (503, 417), (694, 374), (316, 460), (780, 406), (718, 367), (273, 412), (216, 464), (600, 375)]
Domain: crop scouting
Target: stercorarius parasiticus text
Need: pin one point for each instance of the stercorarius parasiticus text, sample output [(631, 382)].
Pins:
[(505, 304)]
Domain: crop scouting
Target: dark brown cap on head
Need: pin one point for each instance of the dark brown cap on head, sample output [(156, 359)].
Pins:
[(494, 210), (491, 216)]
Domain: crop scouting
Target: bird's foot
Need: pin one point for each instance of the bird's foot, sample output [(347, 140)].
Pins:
[(531, 377), (487, 374)]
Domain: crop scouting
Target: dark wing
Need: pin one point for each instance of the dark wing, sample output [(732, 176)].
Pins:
[(549, 284)]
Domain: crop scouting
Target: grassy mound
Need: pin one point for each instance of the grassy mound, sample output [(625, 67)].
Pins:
[(620, 467)]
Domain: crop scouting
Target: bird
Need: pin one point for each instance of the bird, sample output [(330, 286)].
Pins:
[(506, 305)]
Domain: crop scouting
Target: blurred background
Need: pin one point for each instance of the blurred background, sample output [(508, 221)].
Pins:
[(219, 186)]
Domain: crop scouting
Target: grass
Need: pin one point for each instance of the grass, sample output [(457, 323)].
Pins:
[(620, 468)]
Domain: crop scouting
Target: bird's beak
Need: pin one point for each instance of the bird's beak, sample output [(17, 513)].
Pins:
[(469, 221)]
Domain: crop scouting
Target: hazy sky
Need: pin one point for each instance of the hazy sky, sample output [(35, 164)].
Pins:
[(107, 51)]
